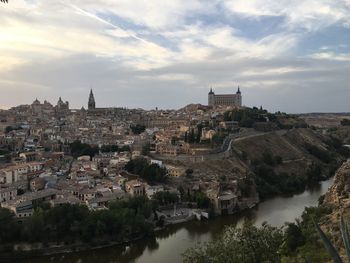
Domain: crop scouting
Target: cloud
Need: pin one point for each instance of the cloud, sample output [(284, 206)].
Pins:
[(168, 53), (310, 14), (332, 56)]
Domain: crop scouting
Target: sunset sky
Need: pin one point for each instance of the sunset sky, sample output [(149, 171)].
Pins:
[(287, 55)]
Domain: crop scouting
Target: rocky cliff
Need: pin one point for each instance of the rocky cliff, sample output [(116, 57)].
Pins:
[(337, 200), (338, 196)]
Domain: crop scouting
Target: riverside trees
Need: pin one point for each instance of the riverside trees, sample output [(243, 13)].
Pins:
[(123, 220)]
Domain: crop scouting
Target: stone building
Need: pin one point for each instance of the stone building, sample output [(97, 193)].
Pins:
[(232, 100)]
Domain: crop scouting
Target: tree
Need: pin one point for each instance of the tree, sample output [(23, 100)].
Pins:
[(149, 172), (189, 172), (125, 148), (8, 129), (109, 148), (268, 158), (202, 200), (146, 149), (78, 149), (8, 226), (192, 137), (199, 133), (246, 244), (345, 122), (293, 238), (165, 198), (138, 129)]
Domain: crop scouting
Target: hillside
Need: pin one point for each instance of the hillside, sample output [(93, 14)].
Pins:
[(287, 161), (279, 162)]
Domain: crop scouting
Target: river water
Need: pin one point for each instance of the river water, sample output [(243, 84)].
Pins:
[(169, 244)]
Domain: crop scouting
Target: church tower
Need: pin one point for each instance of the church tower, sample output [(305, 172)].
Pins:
[(239, 97), (91, 103), (211, 98)]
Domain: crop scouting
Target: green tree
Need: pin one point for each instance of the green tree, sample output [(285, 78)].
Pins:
[(192, 137), (199, 133), (165, 198), (149, 172), (201, 200), (146, 149), (189, 172), (345, 122), (248, 244), (78, 149), (8, 226), (138, 129)]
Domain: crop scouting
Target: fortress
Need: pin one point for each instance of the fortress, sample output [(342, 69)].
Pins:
[(233, 100)]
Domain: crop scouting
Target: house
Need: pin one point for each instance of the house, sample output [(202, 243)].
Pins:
[(174, 171), (23, 205), (167, 149), (70, 199), (22, 209), (223, 202), (102, 201), (7, 194), (86, 194), (29, 156), (135, 188), (19, 172), (37, 184), (151, 190)]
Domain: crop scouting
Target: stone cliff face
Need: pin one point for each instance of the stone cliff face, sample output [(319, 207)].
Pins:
[(338, 196), (337, 199)]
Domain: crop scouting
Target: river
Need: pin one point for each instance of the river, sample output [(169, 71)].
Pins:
[(169, 244)]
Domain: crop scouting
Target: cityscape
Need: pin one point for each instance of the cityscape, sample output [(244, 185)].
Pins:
[(229, 141)]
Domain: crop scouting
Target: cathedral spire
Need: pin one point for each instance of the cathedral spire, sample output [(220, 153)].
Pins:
[(91, 103)]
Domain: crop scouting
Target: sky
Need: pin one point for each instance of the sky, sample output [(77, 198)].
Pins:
[(287, 55)]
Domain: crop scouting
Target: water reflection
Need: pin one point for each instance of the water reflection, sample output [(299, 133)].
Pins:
[(169, 244)]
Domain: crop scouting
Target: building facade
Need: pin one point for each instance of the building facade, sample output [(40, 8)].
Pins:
[(231, 100)]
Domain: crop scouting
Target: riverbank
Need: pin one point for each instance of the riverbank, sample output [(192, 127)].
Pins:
[(169, 243)]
